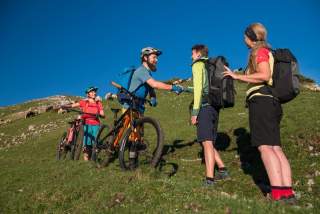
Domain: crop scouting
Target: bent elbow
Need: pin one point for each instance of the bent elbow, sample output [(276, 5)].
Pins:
[(266, 77)]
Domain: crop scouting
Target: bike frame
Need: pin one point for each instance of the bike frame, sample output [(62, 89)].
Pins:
[(126, 120), (74, 127)]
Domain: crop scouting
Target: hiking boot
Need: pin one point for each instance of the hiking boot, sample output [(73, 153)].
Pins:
[(222, 175), (291, 200), (208, 183), (281, 200)]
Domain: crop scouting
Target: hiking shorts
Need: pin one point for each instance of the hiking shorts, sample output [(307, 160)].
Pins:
[(207, 125), (90, 134), (265, 114)]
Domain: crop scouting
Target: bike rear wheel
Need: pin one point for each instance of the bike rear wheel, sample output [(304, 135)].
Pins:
[(147, 150), (62, 147)]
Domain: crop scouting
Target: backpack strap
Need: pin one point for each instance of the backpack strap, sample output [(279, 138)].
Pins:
[(143, 84), (202, 59), (130, 78), (266, 90)]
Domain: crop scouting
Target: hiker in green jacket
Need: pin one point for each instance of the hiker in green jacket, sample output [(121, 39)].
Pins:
[(205, 116)]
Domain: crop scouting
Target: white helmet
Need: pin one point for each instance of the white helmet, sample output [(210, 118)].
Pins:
[(150, 50)]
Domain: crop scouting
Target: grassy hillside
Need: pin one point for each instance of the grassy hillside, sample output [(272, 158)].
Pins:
[(32, 181)]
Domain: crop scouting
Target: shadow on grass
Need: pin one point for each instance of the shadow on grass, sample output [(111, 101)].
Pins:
[(250, 159), (168, 168), (171, 168), (177, 144), (222, 143)]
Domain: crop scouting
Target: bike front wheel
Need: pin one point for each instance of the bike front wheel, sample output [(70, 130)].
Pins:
[(79, 143), (73, 146), (62, 147), (141, 144), (102, 152)]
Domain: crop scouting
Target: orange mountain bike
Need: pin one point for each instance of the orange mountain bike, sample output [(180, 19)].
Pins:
[(137, 139)]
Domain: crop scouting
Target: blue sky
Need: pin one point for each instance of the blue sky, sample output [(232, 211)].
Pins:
[(50, 47)]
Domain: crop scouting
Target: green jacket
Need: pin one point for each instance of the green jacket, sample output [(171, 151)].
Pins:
[(200, 84)]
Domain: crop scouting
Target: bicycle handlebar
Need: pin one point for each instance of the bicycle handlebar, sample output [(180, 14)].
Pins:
[(116, 85), (129, 93)]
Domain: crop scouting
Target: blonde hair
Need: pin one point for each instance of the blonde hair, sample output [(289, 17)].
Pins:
[(261, 35)]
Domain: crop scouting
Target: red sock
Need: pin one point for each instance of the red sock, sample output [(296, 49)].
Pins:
[(283, 192), (288, 192), (276, 193)]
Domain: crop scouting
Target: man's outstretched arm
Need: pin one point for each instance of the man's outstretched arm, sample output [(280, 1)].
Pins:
[(158, 85)]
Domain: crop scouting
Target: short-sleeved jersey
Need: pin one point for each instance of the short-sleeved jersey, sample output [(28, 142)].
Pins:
[(263, 55), (92, 108), (138, 82)]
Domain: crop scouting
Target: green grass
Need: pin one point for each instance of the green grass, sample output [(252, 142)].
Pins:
[(32, 181)]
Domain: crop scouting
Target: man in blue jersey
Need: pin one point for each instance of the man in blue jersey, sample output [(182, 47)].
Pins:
[(142, 83)]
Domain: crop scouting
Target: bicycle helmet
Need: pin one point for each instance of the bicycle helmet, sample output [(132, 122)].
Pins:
[(150, 50), (91, 88)]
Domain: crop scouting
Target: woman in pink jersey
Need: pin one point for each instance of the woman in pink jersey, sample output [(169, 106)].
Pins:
[(265, 113), (93, 105)]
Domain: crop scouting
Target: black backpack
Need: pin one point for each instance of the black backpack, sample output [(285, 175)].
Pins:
[(221, 89), (285, 79)]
